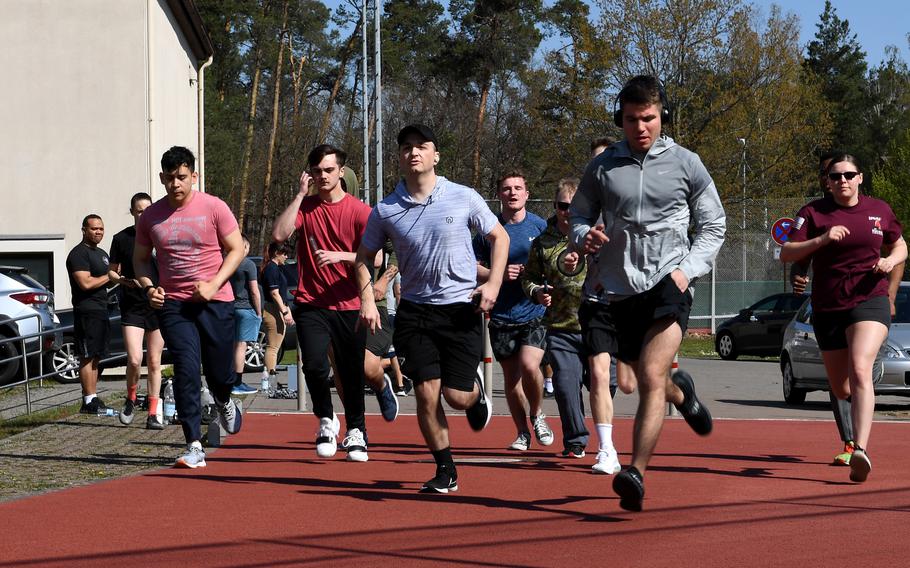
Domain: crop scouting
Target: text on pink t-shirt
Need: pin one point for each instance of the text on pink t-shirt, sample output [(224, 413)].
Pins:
[(188, 243)]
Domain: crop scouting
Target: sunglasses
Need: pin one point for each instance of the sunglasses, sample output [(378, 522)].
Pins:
[(835, 176), (562, 205)]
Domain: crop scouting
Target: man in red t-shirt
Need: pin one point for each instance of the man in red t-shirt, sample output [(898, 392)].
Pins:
[(329, 227), (198, 246)]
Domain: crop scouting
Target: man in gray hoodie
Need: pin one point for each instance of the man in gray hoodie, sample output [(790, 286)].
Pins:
[(648, 189)]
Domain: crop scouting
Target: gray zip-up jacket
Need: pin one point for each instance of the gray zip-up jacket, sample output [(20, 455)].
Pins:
[(646, 208)]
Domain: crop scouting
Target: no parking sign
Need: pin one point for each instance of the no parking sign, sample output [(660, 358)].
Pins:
[(780, 230)]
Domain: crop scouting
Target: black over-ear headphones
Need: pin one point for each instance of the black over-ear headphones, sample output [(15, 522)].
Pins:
[(666, 111)]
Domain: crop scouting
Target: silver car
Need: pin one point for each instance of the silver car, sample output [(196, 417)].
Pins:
[(801, 361), (26, 307)]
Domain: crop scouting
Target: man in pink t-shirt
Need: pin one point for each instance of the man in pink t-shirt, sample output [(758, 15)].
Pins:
[(198, 246), (329, 227)]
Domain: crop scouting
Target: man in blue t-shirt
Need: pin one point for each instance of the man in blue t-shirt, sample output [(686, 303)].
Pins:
[(516, 334)]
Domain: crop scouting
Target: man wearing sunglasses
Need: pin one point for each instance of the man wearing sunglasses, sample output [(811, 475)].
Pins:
[(648, 189), (329, 227)]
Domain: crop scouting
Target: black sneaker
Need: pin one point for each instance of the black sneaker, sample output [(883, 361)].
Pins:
[(630, 487), (696, 414), (152, 423), (446, 480), (127, 414), (94, 407), (576, 451), (480, 412)]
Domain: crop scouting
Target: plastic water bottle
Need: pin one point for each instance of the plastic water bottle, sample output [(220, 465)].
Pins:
[(170, 405), (206, 396), (107, 412), (264, 384)]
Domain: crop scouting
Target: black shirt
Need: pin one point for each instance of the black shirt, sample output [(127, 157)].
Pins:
[(122, 253), (273, 279), (85, 258)]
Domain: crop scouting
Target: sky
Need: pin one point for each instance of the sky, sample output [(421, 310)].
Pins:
[(876, 23)]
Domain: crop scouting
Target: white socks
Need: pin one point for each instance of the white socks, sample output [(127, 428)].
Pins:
[(604, 436), (89, 398)]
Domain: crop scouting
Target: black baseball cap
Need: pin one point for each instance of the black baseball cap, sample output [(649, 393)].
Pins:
[(420, 130)]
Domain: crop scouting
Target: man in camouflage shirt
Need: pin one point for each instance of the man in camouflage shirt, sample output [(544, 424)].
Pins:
[(554, 277)]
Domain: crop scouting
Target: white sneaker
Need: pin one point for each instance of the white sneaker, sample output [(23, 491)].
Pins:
[(607, 462), (355, 445), (522, 442), (542, 430), (327, 436)]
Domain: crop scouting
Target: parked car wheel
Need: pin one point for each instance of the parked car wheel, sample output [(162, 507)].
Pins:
[(725, 346), (254, 360), (65, 363), (10, 369), (792, 394)]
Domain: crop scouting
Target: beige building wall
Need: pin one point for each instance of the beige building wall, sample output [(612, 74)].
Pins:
[(88, 106)]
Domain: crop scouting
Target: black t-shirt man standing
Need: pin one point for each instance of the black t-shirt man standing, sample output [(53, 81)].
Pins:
[(87, 265)]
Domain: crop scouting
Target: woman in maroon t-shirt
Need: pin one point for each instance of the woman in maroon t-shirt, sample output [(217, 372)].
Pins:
[(845, 234)]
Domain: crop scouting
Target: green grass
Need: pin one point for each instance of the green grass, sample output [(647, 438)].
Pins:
[(698, 347), (289, 358), (25, 422)]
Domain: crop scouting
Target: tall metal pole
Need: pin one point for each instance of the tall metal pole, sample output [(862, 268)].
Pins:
[(377, 101), (366, 106), (743, 142)]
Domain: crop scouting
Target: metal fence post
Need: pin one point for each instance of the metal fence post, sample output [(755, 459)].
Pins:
[(487, 357), (301, 381), (671, 408)]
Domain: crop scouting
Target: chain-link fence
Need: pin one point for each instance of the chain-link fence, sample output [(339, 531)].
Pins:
[(747, 267)]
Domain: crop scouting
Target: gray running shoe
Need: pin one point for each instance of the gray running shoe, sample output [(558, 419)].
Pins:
[(230, 417), (860, 465), (193, 457), (126, 417)]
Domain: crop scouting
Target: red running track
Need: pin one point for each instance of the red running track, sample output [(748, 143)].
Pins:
[(754, 493)]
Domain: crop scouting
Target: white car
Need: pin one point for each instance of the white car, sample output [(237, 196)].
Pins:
[(26, 307), (801, 360)]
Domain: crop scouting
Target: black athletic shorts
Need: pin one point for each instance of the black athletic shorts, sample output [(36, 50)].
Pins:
[(91, 333), (380, 342), (831, 327), (439, 341), (619, 328), (507, 339), (138, 314)]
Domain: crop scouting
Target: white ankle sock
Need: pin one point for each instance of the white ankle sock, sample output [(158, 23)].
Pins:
[(89, 398), (604, 436)]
